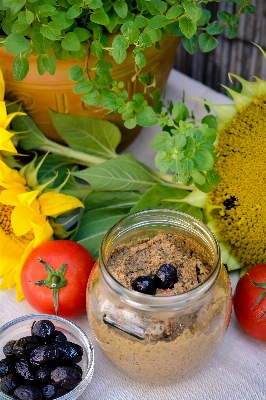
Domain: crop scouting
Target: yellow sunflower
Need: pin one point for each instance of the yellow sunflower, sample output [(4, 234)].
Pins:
[(24, 221), (239, 216), (6, 144)]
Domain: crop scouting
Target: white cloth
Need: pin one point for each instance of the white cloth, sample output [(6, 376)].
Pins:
[(238, 369)]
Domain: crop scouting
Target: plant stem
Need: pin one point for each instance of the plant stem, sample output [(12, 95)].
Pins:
[(167, 179)]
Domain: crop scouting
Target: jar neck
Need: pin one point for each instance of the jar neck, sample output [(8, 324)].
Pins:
[(148, 224)]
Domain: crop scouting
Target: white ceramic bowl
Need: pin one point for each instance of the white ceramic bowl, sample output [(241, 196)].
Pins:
[(21, 326)]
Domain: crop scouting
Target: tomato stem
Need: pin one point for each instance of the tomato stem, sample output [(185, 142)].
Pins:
[(55, 280)]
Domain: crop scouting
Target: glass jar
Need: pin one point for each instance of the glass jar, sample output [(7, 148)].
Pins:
[(159, 339)]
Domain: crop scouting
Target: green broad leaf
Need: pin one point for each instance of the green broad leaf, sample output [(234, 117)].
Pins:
[(123, 173), (75, 73), (155, 34), (160, 196), (46, 62), (140, 21), (140, 60), (174, 11), (194, 11), (46, 10), (188, 28), (94, 226), (190, 45), (95, 4), (207, 42), (74, 12), (121, 8), (111, 200), (88, 135), (93, 98), (145, 40), (159, 21), (71, 42), (51, 31), (224, 16), (61, 21), (40, 43), (162, 161), (157, 7), (79, 54), (15, 43), (211, 121), (100, 17), (111, 101), (120, 45), (82, 34), (26, 17), (203, 160), (20, 67), (214, 28), (180, 112), (83, 86), (179, 141), (146, 117)]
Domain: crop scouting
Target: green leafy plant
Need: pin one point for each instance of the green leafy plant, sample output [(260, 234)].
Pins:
[(54, 30)]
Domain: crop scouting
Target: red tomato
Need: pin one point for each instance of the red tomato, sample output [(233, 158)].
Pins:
[(57, 271), (250, 302)]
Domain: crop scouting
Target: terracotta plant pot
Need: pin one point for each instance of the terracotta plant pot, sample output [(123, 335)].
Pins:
[(38, 93)]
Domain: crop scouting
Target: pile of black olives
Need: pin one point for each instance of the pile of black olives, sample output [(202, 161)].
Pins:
[(41, 366), (165, 278)]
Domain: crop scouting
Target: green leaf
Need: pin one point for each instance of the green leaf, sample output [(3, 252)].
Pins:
[(93, 98), (191, 44), (82, 34), (120, 44), (174, 11), (83, 86), (46, 10), (130, 31), (203, 160), (46, 62), (111, 200), (180, 112), (35, 137), (95, 224), (73, 12), (26, 17), (207, 42), (157, 7), (158, 21), (41, 44), (51, 31), (123, 173), (87, 134), (20, 67), (100, 17), (15, 6), (71, 42), (194, 11), (121, 8), (146, 117), (187, 27), (215, 28), (232, 31), (75, 73), (15, 43), (140, 60)]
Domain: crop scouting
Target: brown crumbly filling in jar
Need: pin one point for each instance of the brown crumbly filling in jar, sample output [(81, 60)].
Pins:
[(144, 257)]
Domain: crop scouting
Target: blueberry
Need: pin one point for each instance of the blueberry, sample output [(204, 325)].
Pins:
[(166, 276), (144, 284)]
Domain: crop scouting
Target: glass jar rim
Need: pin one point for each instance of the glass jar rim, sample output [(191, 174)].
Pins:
[(144, 301)]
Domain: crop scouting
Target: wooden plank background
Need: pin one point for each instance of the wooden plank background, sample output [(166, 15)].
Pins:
[(237, 55)]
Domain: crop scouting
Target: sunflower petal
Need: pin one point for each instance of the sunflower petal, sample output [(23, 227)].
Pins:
[(54, 204), (21, 220), (3, 113), (10, 177), (6, 142)]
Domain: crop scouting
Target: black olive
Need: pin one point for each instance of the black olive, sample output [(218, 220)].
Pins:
[(45, 354), (166, 276), (9, 383), (66, 377), (58, 337), (25, 370), (70, 352), (6, 367), (144, 284), (27, 392), (24, 346), (8, 348), (49, 391), (60, 392), (43, 375), (43, 329)]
